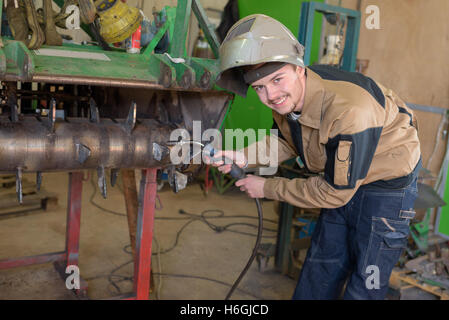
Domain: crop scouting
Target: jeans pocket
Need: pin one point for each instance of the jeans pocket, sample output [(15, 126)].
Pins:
[(387, 240)]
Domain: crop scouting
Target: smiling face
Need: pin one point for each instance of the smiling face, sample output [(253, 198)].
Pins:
[(283, 90)]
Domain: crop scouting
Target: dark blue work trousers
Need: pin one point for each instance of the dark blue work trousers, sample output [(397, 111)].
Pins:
[(357, 245)]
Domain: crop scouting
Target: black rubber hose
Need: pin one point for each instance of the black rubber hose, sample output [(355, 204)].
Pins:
[(256, 248), (239, 173)]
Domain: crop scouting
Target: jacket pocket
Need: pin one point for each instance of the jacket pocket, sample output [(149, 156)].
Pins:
[(342, 163)]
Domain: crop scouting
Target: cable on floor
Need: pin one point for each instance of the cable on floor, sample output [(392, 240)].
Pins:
[(191, 217)]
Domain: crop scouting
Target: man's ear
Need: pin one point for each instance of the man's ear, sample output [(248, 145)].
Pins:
[(300, 71)]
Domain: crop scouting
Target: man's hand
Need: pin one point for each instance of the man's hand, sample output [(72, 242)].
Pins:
[(252, 185), (237, 157)]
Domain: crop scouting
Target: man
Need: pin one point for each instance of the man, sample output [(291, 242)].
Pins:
[(360, 136)]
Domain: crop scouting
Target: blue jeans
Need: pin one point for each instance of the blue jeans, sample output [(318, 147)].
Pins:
[(357, 244)]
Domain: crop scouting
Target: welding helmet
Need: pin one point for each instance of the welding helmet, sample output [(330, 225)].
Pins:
[(118, 21), (254, 40)]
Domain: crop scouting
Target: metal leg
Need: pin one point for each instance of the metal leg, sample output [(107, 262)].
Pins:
[(73, 217), (283, 238), (144, 236), (73, 230)]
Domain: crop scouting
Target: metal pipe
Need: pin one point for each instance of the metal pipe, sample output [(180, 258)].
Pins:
[(59, 79), (31, 144)]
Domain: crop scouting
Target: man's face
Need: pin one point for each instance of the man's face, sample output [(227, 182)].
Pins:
[(283, 90)]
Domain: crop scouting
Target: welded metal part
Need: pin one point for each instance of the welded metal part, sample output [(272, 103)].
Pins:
[(82, 152), (177, 180), (131, 120), (160, 151), (51, 119), (137, 139), (102, 181), (79, 144)]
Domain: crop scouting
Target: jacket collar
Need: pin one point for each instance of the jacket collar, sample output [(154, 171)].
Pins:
[(313, 101), (312, 109)]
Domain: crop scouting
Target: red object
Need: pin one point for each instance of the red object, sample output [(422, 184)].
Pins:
[(207, 183), (144, 234), (73, 217), (134, 43)]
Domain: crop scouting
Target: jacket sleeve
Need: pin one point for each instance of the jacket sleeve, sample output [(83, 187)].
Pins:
[(353, 138), (269, 151)]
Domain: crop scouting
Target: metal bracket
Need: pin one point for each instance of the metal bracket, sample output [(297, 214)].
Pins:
[(160, 151), (94, 113), (130, 122), (161, 65), (82, 152), (114, 176), (102, 181)]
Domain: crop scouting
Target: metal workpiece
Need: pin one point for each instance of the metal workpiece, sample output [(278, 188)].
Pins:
[(77, 144)]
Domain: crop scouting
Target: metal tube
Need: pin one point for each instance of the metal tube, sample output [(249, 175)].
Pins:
[(60, 79), (77, 144)]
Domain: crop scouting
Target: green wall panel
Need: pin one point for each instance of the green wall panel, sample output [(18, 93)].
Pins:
[(443, 219)]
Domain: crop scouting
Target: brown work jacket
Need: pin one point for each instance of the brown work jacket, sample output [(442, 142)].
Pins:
[(353, 131)]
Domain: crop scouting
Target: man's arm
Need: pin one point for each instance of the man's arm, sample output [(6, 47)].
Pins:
[(353, 138), (265, 147)]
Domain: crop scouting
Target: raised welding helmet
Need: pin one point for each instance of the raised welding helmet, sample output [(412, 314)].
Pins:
[(253, 40)]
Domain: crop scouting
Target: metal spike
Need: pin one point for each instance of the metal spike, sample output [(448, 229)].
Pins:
[(130, 122), (19, 185), (114, 175), (82, 152), (38, 180), (102, 181), (14, 113), (94, 113), (160, 151)]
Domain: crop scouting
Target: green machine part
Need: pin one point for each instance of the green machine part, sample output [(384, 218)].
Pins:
[(91, 65), (250, 113), (442, 223)]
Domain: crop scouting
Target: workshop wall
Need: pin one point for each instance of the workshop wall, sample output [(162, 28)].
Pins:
[(409, 54)]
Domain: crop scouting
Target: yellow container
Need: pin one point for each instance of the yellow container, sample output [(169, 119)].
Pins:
[(118, 21)]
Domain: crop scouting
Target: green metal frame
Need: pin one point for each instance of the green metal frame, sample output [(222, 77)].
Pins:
[(146, 70), (352, 17)]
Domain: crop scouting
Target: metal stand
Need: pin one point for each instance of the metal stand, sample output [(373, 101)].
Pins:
[(144, 236), (70, 256)]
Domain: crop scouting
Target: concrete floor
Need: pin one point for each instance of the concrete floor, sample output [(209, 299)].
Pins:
[(104, 247)]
